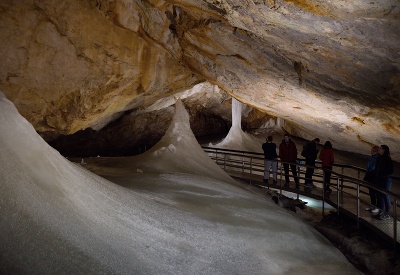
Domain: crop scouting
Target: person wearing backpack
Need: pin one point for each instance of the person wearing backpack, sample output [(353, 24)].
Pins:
[(310, 152), (270, 161), (327, 158), (288, 155)]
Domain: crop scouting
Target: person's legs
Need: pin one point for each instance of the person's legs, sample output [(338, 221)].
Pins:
[(372, 196), (386, 197), (384, 200), (381, 200), (274, 170), (381, 183), (267, 164), (308, 176), (311, 175), (327, 177), (309, 172), (294, 172), (286, 168)]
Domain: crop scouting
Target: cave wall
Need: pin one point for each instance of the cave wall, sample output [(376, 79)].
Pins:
[(328, 68), (138, 130), (67, 67)]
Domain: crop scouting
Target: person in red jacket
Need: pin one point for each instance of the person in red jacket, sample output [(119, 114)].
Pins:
[(288, 154), (327, 158)]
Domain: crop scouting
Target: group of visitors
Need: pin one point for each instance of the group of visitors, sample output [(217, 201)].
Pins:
[(378, 173), (288, 156)]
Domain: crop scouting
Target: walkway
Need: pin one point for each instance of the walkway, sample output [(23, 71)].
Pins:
[(348, 204), (351, 200)]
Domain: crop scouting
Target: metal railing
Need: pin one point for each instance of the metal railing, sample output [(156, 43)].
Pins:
[(347, 178)]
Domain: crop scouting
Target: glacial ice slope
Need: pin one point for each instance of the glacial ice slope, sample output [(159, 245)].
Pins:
[(60, 218)]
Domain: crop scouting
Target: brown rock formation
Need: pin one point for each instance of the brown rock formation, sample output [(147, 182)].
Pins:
[(329, 68)]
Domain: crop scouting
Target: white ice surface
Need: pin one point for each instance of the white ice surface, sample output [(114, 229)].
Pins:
[(172, 212)]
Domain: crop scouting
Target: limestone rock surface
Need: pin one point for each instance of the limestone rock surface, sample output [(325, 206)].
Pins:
[(328, 68)]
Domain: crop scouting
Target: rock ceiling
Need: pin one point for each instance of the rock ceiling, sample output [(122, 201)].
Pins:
[(328, 68)]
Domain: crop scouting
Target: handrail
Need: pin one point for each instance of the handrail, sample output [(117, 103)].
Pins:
[(254, 162), (298, 159), (364, 183)]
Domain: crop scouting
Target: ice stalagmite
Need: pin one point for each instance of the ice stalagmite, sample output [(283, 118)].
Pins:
[(179, 151), (236, 139)]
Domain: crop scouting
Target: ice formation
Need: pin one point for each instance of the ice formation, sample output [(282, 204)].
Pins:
[(237, 139), (57, 217)]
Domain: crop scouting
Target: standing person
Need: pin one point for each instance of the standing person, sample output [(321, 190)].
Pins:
[(288, 154), (327, 158), (384, 170), (310, 152), (370, 177), (270, 161)]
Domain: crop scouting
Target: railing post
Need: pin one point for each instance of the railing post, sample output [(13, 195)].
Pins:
[(298, 178), (242, 162), (224, 161), (323, 203), (395, 228), (298, 169), (251, 168), (358, 205), (341, 189), (338, 196), (280, 182)]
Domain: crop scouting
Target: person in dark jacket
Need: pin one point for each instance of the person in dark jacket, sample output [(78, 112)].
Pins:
[(288, 155), (327, 158), (310, 153), (370, 177), (270, 160), (384, 169)]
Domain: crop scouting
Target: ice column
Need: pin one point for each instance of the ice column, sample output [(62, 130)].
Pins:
[(237, 108)]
